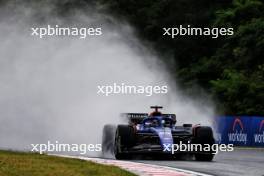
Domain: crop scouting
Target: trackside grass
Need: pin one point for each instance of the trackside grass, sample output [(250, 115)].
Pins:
[(31, 164)]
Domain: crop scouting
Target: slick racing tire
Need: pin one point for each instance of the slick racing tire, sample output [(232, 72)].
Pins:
[(204, 135), (108, 140), (124, 139)]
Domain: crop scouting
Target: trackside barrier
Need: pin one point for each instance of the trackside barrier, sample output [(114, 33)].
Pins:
[(240, 130)]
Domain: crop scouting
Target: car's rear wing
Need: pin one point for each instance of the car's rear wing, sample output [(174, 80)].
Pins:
[(137, 118)]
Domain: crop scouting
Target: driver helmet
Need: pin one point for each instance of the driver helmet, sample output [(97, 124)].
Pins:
[(155, 113)]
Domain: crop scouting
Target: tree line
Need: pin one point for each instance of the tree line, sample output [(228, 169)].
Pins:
[(230, 69)]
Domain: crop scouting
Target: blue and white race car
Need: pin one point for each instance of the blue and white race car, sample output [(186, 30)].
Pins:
[(155, 133)]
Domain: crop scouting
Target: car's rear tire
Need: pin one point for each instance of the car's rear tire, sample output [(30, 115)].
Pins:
[(108, 140), (204, 135), (204, 157), (124, 139)]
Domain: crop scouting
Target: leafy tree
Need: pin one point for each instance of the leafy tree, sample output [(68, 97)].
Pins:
[(229, 68)]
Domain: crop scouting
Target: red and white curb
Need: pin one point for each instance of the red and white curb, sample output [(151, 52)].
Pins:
[(141, 169)]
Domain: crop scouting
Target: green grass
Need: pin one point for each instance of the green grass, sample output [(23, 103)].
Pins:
[(31, 164)]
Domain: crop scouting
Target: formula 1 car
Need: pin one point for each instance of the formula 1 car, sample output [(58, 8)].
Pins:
[(155, 133)]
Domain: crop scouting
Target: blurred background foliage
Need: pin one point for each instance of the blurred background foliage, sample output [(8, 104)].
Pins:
[(230, 68)]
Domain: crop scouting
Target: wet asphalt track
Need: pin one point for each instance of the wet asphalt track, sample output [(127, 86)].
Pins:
[(240, 162)]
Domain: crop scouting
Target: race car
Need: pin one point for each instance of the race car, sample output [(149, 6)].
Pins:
[(154, 134)]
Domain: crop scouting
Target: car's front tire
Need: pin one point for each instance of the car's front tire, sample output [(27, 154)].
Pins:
[(204, 135), (124, 139)]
